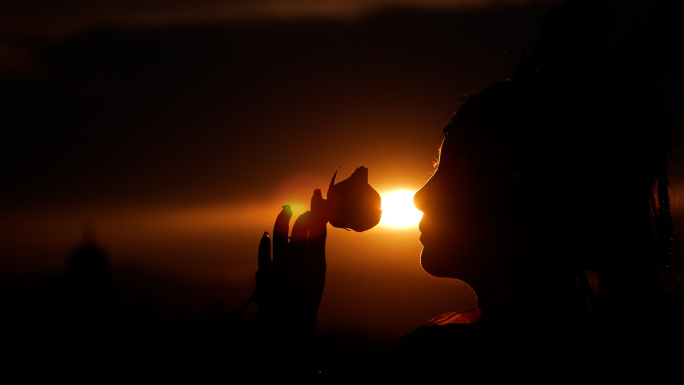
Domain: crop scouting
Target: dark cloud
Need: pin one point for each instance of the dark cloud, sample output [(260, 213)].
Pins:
[(23, 24)]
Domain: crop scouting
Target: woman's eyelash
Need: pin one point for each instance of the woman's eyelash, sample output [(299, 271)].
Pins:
[(439, 143)]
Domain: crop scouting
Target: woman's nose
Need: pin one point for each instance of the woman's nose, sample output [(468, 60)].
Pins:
[(421, 198)]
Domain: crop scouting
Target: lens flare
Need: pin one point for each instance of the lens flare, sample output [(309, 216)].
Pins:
[(398, 209)]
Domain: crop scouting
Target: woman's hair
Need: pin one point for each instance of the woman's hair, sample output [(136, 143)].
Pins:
[(581, 137)]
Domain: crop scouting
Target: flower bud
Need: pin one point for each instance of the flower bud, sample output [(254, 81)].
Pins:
[(353, 203)]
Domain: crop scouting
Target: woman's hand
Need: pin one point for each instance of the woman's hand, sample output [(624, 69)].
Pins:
[(290, 284)]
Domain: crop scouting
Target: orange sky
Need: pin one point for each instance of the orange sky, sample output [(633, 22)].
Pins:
[(374, 281)]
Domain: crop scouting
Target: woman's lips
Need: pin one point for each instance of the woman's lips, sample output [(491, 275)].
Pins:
[(424, 236), (422, 228)]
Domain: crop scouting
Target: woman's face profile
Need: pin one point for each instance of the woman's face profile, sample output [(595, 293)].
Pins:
[(445, 202), (468, 229)]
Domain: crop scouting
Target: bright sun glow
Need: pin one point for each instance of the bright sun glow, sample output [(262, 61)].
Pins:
[(398, 209)]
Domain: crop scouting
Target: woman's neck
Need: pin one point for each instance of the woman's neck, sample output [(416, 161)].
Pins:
[(523, 298)]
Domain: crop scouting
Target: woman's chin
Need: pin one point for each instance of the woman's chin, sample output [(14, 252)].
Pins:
[(435, 263), (448, 263)]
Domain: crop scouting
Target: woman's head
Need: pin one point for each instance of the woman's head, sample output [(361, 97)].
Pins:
[(547, 174), (477, 213)]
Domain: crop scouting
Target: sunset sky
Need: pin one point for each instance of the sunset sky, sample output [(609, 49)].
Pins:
[(175, 132)]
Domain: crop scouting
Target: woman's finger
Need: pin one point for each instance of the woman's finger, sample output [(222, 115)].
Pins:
[(264, 250), (280, 231), (317, 226), (317, 234), (300, 234), (317, 203)]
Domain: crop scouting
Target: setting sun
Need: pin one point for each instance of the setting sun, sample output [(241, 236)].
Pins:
[(398, 209)]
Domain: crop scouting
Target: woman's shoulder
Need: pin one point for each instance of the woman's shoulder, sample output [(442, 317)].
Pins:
[(466, 344), (447, 335)]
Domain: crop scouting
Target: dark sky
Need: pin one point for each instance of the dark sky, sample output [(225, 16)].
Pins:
[(179, 130), (216, 112)]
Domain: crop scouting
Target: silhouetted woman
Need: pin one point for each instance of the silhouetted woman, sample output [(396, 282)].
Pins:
[(550, 201)]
